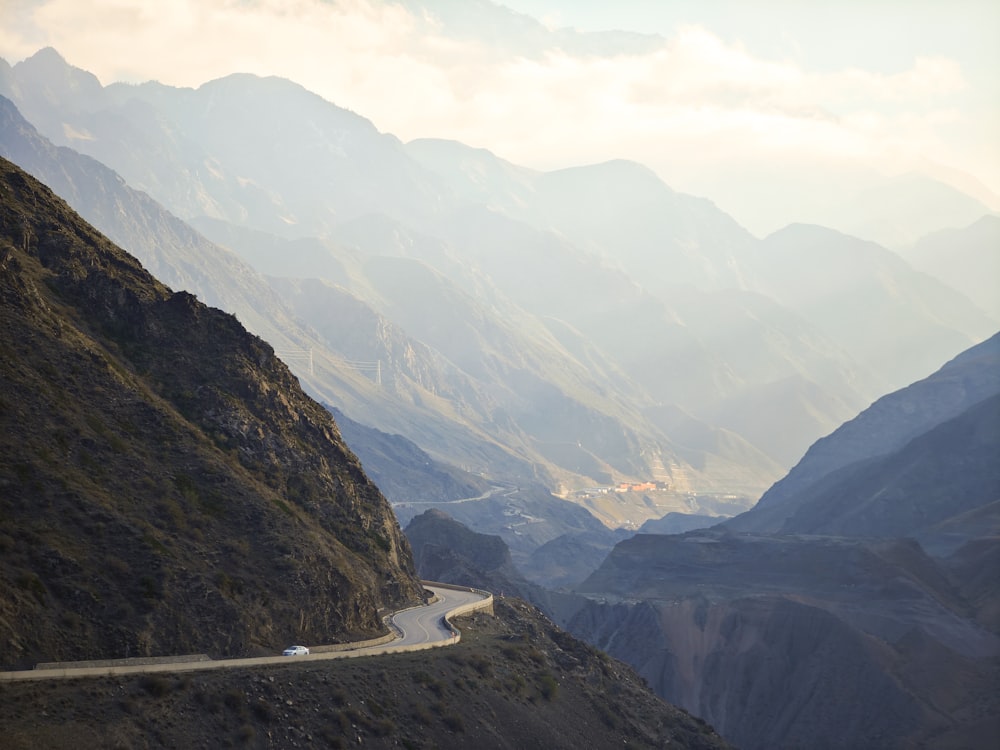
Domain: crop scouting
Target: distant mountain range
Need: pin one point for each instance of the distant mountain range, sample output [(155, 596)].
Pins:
[(847, 597), (487, 335), (817, 618), (968, 259), (572, 329), (912, 464), (166, 488)]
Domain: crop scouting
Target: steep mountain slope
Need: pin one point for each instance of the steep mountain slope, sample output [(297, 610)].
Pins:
[(967, 259), (167, 485), (829, 630), (527, 284), (180, 119), (513, 682), (321, 353), (166, 246), (448, 551), (627, 247), (942, 488), (899, 322), (885, 429), (401, 469), (845, 295), (682, 345), (800, 641), (900, 210), (415, 404)]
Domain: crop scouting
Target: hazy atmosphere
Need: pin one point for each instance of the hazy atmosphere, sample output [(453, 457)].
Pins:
[(745, 104), (449, 374)]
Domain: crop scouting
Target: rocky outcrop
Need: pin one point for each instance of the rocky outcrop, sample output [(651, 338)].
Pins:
[(167, 486), (448, 551), (802, 642), (513, 682)]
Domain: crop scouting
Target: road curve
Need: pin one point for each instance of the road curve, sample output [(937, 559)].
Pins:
[(417, 628), (427, 624)]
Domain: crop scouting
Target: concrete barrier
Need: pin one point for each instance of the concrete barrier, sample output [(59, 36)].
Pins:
[(485, 605), (134, 661), (354, 645), (372, 647)]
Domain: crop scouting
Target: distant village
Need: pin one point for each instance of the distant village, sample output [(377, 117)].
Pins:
[(622, 488)]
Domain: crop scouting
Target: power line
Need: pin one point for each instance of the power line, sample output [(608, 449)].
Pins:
[(298, 355), (306, 355), (363, 366)]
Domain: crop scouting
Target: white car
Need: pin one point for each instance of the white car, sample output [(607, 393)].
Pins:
[(295, 651)]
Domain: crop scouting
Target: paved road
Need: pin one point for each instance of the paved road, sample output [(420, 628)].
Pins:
[(490, 493), (419, 627), (422, 625)]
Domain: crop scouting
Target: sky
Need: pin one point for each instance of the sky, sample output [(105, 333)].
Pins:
[(772, 109)]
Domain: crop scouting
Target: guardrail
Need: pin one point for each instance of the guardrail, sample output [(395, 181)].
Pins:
[(135, 661), (486, 605), (371, 647)]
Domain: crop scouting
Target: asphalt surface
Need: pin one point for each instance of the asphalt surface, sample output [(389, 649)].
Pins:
[(422, 625), (418, 627)]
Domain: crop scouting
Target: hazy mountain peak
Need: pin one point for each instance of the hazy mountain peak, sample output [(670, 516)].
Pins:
[(806, 230), (47, 58), (50, 71), (904, 208), (886, 427), (617, 171), (967, 259)]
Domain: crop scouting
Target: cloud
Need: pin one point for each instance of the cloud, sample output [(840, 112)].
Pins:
[(187, 42), (694, 102)]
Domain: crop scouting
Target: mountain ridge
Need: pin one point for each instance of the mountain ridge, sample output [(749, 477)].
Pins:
[(886, 426), (157, 462), (696, 334)]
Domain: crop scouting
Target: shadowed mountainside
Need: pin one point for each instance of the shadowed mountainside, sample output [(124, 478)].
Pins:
[(167, 486), (881, 444), (448, 551), (534, 327), (803, 641), (797, 637), (513, 682)]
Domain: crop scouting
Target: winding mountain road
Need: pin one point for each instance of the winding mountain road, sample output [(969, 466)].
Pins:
[(427, 624), (416, 628)]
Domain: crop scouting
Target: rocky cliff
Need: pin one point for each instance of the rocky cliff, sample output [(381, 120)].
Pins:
[(513, 682), (167, 486), (870, 619), (804, 641), (448, 551)]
